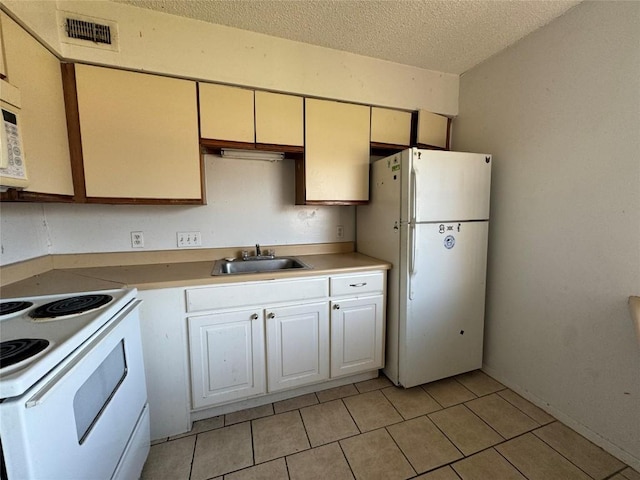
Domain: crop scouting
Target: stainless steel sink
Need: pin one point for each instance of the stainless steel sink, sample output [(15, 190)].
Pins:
[(239, 266)]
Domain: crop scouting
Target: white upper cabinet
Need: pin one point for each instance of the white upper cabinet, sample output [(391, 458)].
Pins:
[(391, 127), (336, 163), (279, 119), (226, 113)]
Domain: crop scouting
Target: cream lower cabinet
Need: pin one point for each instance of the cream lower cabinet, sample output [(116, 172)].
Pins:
[(297, 345), (227, 356)]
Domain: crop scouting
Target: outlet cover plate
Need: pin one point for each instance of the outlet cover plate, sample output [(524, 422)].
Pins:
[(189, 239)]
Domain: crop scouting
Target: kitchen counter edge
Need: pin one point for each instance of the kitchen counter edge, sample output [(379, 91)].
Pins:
[(176, 275)]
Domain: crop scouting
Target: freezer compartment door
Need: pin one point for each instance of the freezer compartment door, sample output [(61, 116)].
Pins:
[(443, 321), (448, 186)]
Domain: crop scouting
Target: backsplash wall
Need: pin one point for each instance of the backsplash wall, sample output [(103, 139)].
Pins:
[(248, 202), (23, 232)]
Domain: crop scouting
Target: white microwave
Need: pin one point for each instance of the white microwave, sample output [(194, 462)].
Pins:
[(13, 169)]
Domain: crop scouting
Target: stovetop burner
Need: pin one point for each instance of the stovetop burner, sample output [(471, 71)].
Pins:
[(70, 306), (14, 351), (7, 308)]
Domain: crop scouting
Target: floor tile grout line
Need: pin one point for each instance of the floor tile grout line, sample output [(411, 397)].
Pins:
[(193, 456), (345, 457), (351, 415), (253, 450), (431, 397), (306, 434), (401, 451), (510, 463), (445, 436), (487, 422), (559, 452), (521, 410)]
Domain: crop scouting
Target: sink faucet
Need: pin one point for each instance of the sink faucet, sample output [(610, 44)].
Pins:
[(258, 256)]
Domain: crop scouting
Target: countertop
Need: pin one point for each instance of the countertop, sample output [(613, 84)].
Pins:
[(178, 274)]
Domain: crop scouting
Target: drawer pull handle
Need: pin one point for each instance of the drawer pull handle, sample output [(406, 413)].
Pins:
[(358, 284), (271, 315), (254, 316), (336, 306)]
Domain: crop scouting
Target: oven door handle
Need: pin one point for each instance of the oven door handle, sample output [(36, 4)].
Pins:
[(40, 396)]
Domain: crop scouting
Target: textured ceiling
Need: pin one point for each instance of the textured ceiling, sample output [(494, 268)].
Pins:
[(445, 35)]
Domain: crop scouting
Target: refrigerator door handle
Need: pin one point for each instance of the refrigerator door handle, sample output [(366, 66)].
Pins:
[(412, 205), (412, 259)]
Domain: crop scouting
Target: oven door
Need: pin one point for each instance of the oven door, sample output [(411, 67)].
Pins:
[(77, 421)]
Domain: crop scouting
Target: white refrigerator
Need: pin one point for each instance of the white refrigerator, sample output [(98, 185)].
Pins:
[(429, 216)]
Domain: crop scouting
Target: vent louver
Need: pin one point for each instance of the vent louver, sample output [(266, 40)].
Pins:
[(91, 31)]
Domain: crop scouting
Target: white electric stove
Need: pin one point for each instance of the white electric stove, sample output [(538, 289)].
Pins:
[(73, 400)]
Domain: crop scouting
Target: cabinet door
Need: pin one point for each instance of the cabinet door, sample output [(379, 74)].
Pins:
[(226, 113), (227, 357), (36, 73), (390, 127), (297, 345), (336, 163), (279, 119), (139, 135), (433, 130), (357, 335)]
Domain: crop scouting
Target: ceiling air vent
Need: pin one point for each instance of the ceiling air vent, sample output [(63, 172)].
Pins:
[(94, 32), (85, 31)]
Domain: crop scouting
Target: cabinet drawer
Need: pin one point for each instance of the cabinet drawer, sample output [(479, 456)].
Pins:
[(255, 293), (357, 284)]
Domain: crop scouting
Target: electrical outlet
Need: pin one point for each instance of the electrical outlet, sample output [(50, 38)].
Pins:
[(137, 240), (189, 239), (340, 231)]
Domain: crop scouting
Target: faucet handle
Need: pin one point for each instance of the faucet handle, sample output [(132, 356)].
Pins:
[(245, 254), (271, 252)]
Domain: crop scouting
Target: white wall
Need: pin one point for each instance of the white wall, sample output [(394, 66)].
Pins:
[(23, 232), (249, 202), (560, 110)]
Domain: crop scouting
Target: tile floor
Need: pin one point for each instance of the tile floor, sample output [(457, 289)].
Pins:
[(466, 427)]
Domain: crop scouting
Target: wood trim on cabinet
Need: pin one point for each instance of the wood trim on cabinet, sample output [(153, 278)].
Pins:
[(144, 201), (70, 93), (269, 147), (14, 195), (203, 180), (336, 202), (385, 149), (301, 190), (215, 146)]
